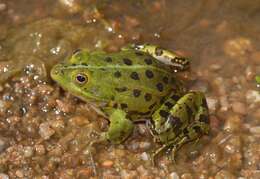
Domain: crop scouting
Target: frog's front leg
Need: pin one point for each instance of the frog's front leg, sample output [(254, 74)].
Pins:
[(177, 62), (120, 127), (186, 121)]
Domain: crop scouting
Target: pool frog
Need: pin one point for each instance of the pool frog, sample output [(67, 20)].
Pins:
[(139, 82)]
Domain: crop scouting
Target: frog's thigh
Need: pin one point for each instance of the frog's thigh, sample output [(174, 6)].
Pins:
[(120, 127), (190, 109)]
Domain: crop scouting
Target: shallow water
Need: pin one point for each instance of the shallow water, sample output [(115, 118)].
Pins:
[(44, 131)]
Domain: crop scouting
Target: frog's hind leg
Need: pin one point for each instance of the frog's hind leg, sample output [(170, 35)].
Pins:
[(187, 121), (177, 62)]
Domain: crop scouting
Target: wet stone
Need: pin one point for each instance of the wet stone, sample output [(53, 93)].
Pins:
[(4, 176), (174, 175), (239, 108), (46, 131), (28, 151), (3, 145), (255, 130)]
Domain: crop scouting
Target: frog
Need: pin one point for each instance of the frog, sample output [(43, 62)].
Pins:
[(137, 83)]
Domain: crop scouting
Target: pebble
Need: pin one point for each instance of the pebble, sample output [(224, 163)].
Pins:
[(174, 175), (64, 106), (40, 149), (28, 151), (255, 130), (224, 174), (238, 47), (233, 123), (252, 96), (2, 6), (144, 156), (213, 103), (45, 131), (144, 145), (85, 173), (108, 163), (2, 145), (3, 176), (239, 108)]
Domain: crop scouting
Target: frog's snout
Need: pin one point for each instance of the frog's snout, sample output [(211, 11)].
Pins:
[(56, 71)]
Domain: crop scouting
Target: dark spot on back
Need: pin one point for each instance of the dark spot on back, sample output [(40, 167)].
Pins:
[(147, 97), (138, 53), (115, 105), (73, 64), (84, 64), (122, 89), (169, 105), (174, 121), (152, 106), (158, 51), (148, 61), (175, 97), (166, 80), (136, 92), (134, 76), (189, 111), (164, 113), (185, 131), (108, 59), (204, 118), (149, 74), (159, 87), (127, 61), (197, 129), (124, 106), (117, 74)]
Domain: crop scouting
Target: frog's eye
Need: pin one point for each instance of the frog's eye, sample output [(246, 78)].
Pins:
[(81, 78)]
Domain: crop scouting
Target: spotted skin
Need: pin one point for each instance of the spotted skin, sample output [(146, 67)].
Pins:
[(136, 83)]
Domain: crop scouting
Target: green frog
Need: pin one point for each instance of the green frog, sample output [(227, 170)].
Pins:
[(139, 82)]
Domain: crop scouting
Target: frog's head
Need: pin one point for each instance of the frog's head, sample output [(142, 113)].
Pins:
[(77, 77)]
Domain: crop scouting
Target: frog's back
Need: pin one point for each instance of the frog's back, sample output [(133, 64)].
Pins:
[(131, 80)]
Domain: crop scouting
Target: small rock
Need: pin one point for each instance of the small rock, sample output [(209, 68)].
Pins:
[(28, 151), (45, 131), (213, 103), (144, 145), (238, 47), (2, 145), (71, 6), (252, 96), (85, 173), (144, 156), (174, 175), (2, 6), (3, 176), (239, 108), (224, 174), (40, 149), (233, 123), (255, 130), (64, 106), (19, 173), (108, 163)]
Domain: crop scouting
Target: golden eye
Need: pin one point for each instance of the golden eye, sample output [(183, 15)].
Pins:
[(81, 78)]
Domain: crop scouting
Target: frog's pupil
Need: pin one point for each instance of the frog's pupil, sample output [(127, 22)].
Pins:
[(81, 78)]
